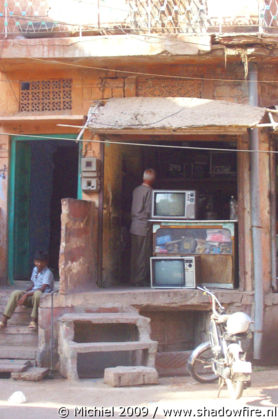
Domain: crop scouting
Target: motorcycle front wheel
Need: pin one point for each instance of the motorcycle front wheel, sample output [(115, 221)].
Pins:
[(235, 388), (200, 364)]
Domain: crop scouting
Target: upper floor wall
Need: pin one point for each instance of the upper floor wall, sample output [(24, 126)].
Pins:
[(52, 18)]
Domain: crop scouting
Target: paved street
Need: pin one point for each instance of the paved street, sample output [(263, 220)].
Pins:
[(182, 394)]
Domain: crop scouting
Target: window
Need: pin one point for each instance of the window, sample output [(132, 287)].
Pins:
[(45, 95)]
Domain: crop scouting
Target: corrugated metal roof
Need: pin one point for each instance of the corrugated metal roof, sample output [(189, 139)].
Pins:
[(172, 113)]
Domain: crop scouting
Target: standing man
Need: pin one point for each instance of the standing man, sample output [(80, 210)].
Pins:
[(141, 230), (42, 281)]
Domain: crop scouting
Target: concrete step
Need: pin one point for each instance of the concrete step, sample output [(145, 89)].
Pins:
[(112, 346), (18, 335), (18, 352), (14, 366), (21, 315), (32, 374)]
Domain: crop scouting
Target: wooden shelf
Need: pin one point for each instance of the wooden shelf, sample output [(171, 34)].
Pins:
[(206, 180)]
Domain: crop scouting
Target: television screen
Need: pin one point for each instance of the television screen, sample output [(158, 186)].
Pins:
[(169, 204), (168, 273)]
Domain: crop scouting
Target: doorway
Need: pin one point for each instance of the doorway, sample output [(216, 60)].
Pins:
[(200, 167), (42, 172)]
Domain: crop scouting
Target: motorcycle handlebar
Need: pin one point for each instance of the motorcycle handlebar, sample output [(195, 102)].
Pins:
[(214, 300)]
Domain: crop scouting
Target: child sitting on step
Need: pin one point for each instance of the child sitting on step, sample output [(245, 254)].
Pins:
[(42, 281)]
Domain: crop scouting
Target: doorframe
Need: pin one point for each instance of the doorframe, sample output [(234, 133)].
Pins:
[(11, 191)]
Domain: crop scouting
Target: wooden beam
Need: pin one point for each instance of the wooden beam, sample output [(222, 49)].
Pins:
[(273, 217), (264, 206), (245, 253), (31, 117), (164, 131), (173, 138)]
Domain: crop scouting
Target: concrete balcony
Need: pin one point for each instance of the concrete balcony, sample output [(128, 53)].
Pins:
[(50, 18)]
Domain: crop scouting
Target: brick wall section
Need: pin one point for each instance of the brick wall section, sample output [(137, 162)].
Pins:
[(268, 92), (203, 82)]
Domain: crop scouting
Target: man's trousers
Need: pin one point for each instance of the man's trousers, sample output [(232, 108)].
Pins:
[(140, 258)]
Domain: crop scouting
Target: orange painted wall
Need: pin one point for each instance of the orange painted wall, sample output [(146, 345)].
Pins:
[(204, 80)]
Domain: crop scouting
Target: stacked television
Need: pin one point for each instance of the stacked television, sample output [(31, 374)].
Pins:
[(173, 271), (187, 252)]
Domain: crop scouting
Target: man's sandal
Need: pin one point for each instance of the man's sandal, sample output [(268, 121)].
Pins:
[(3, 325), (32, 325)]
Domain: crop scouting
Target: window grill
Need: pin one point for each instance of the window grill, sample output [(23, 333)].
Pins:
[(45, 95)]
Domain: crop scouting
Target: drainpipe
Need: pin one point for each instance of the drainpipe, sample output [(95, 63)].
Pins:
[(256, 219)]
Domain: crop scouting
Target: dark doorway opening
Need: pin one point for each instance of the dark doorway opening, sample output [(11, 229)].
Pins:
[(45, 171)]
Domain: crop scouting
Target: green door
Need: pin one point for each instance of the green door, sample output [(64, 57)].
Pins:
[(19, 210), (19, 202)]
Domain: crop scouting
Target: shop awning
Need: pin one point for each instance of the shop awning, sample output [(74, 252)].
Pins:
[(176, 115)]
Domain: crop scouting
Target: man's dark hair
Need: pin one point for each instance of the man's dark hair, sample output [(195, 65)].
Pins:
[(41, 255)]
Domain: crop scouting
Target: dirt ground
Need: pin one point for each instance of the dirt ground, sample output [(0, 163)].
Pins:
[(183, 395)]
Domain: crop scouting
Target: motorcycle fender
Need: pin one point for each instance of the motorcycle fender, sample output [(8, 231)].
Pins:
[(241, 367)]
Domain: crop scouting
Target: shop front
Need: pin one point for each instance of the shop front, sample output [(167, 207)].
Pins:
[(195, 145), (200, 151)]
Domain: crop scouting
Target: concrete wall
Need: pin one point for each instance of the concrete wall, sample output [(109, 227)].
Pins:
[(78, 250), (89, 85)]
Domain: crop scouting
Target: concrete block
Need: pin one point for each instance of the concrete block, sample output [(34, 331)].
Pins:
[(130, 376), (32, 374)]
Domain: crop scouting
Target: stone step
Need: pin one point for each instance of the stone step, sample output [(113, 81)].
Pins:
[(18, 335), (21, 315), (112, 346), (18, 352), (32, 374), (14, 366)]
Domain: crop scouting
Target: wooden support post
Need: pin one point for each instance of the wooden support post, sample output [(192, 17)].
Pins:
[(272, 180), (92, 149), (244, 217), (264, 205)]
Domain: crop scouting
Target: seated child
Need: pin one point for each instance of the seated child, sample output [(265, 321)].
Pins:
[(42, 281)]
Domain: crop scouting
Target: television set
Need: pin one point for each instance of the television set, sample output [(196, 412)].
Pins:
[(174, 272), (173, 205)]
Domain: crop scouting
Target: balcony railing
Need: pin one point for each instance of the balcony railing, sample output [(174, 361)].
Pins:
[(45, 18)]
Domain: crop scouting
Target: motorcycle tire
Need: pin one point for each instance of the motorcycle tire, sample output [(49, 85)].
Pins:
[(235, 388), (199, 364)]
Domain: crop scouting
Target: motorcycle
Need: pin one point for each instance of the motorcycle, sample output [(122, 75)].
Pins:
[(223, 357)]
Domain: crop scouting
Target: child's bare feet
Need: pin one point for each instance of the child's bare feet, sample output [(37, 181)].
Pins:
[(3, 322), (32, 324)]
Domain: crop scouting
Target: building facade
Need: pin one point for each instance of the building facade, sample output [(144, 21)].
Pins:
[(52, 72)]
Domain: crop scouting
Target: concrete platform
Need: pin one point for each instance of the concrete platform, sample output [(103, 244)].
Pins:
[(147, 298)]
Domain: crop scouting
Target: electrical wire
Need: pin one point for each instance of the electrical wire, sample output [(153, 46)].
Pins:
[(142, 38), (168, 76), (141, 73), (164, 146)]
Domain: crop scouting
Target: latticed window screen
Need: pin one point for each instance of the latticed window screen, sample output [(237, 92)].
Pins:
[(46, 95)]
